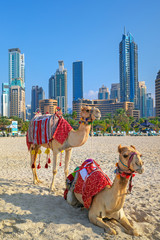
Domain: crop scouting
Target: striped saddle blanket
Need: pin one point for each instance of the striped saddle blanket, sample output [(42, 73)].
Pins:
[(43, 128)]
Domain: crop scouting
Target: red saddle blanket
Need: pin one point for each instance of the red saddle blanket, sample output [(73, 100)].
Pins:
[(91, 180), (44, 128)]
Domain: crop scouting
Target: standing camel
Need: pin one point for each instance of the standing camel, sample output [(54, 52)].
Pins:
[(75, 139), (109, 202)]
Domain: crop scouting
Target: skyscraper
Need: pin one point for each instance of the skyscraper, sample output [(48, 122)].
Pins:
[(17, 83), (37, 94), (77, 80), (61, 87), (16, 68), (150, 105), (52, 87), (157, 94), (5, 100), (115, 91), (17, 102), (142, 99), (128, 63), (103, 93)]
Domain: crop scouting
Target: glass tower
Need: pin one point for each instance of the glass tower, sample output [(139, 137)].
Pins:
[(52, 87), (142, 99), (103, 93), (77, 80), (61, 87), (37, 94), (128, 63), (5, 100), (16, 68)]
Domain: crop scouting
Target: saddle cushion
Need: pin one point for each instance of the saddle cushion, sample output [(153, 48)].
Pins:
[(44, 128), (91, 183)]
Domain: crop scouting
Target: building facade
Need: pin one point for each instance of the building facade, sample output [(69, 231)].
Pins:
[(37, 94), (16, 68), (61, 87), (17, 83), (17, 102), (103, 93), (150, 105), (128, 63), (142, 91), (5, 100), (104, 105), (77, 80), (51, 87), (47, 106), (157, 94), (28, 112), (115, 91)]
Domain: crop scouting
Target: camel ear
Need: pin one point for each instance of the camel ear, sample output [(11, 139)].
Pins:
[(133, 147), (120, 148)]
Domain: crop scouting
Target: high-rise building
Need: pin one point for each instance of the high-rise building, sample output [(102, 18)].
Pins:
[(28, 112), (77, 80), (17, 102), (17, 83), (61, 87), (115, 91), (103, 93), (157, 94), (150, 105), (52, 87), (5, 100), (37, 94), (106, 106), (142, 99), (16, 68), (128, 63), (47, 106)]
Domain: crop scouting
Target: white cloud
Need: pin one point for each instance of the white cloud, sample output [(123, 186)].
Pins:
[(91, 95)]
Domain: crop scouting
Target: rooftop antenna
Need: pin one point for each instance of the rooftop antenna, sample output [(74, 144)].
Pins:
[(124, 30)]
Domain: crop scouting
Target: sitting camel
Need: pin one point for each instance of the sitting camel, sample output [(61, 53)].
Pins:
[(108, 203), (75, 139)]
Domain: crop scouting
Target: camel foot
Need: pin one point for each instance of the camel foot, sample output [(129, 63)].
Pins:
[(111, 231), (52, 189), (134, 233), (39, 181)]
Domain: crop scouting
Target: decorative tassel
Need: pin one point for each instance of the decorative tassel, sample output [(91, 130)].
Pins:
[(47, 151), (39, 152), (49, 160), (39, 166), (60, 164), (116, 164), (46, 166), (118, 176), (33, 165)]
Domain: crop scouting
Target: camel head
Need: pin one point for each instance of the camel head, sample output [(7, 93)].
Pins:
[(130, 159), (90, 113)]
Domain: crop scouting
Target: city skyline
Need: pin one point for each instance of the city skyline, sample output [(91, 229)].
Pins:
[(94, 41)]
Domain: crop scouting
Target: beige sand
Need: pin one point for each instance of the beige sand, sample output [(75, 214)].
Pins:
[(29, 211)]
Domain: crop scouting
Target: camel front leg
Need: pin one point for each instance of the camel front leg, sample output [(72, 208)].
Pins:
[(122, 219), (100, 223), (67, 159), (54, 171), (33, 165)]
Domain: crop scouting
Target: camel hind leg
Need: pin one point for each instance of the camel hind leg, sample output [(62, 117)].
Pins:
[(33, 164)]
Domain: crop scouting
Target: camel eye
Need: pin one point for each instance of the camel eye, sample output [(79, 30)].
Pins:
[(125, 155)]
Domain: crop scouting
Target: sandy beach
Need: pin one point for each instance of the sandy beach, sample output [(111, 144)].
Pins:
[(30, 211)]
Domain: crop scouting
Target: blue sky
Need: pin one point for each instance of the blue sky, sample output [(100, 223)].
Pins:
[(88, 30)]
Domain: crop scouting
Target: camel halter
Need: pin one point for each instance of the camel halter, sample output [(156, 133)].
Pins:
[(128, 174), (87, 120)]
